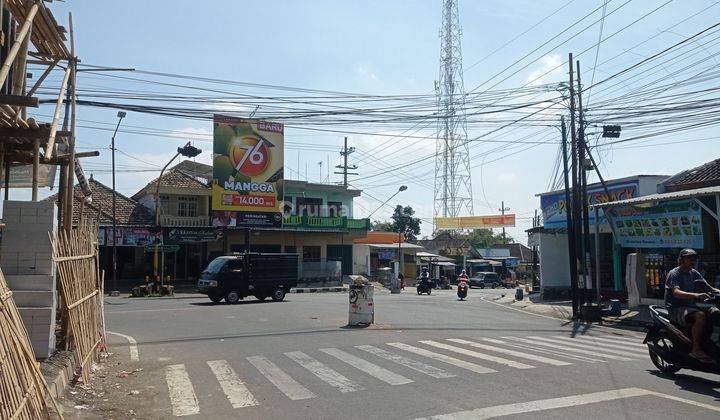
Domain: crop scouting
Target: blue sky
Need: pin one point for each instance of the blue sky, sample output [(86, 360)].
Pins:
[(378, 47)]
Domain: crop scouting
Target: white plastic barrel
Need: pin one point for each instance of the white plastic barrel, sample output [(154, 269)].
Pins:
[(362, 307)]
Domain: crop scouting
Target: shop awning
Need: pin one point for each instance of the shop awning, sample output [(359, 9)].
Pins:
[(433, 257), (403, 245), (445, 264), (654, 198)]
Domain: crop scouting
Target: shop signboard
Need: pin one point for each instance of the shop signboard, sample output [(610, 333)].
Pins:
[(186, 235), (386, 255), (554, 206), (673, 224), (21, 176), (163, 248), (247, 172), (126, 237), (475, 222)]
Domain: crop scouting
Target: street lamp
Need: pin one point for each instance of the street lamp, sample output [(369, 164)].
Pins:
[(401, 189), (188, 151), (114, 292)]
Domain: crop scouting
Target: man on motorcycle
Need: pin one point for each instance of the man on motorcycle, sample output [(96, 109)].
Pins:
[(681, 296)]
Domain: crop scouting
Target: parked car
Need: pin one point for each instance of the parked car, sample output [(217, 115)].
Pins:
[(485, 279), (234, 277)]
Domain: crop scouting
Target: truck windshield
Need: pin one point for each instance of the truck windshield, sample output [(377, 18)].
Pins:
[(215, 266)]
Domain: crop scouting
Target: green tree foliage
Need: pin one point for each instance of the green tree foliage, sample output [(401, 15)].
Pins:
[(379, 226), (403, 221), (486, 238)]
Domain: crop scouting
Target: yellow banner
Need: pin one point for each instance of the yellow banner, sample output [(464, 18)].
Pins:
[(475, 222)]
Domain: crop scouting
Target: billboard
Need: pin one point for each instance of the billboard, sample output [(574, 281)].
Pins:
[(554, 206), (674, 224), (248, 165), (475, 222)]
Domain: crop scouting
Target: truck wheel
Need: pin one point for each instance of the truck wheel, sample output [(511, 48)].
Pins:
[(232, 297), (215, 298), (278, 295)]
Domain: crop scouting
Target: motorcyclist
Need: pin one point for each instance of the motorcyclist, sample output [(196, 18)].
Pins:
[(681, 295), (463, 276)]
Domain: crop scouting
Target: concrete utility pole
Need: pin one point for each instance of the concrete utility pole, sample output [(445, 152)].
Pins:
[(585, 244), (345, 168), (569, 221)]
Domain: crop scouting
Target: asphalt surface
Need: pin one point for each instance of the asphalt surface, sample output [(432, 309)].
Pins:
[(296, 359)]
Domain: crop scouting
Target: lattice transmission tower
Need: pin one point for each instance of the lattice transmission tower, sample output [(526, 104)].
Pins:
[(453, 186)]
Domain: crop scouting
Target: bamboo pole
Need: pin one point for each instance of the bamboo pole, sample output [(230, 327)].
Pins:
[(56, 116), (24, 30)]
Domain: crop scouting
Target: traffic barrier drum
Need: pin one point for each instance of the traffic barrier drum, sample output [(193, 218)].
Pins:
[(362, 307)]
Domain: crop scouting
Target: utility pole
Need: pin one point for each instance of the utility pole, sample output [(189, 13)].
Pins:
[(345, 168), (536, 223), (114, 292), (585, 244), (570, 225), (576, 201), (503, 209)]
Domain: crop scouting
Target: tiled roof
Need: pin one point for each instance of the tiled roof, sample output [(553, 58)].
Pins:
[(175, 178), (127, 210), (707, 175)]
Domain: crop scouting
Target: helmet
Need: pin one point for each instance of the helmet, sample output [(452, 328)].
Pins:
[(688, 252)]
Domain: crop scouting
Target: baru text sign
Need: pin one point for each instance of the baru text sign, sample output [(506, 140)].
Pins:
[(475, 222), (248, 167)]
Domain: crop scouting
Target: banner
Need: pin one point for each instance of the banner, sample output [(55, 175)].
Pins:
[(247, 170), (554, 207), (21, 176), (475, 222), (674, 224), (193, 235)]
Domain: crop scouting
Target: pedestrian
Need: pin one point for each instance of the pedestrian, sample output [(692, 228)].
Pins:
[(401, 277)]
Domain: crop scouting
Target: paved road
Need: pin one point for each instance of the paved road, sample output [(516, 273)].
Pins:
[(425, 356)]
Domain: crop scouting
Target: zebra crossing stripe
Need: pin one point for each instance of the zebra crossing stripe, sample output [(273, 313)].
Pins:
[(536, 349), (282, 381), (565, 347), (182, 395), (407, 362), (478, 355), (367, 367), (593, 346), (615, 340), (522, 355), (233, 387), (443, 358), (613, 345), (323, 372)]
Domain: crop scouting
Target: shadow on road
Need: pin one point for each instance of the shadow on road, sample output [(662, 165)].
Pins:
[(691, 383), (242, 302)]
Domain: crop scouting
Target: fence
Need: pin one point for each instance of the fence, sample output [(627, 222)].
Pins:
[(24, 391), (76, 256)]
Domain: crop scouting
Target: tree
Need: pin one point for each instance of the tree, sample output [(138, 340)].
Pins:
[(486, 238), (405, 223), (379, 226)]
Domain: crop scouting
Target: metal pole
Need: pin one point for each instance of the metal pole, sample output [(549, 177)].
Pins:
[(585, 244), (400, 270), (597, 255), (345, 167), (569, 214), (157, 215), (114, 214), (502, 210)]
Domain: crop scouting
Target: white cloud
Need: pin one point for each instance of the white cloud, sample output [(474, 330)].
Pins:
[(365, 71), (548, 65)]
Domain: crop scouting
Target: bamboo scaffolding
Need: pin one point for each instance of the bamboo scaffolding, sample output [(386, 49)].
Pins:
[(75, 254), (23, 391)]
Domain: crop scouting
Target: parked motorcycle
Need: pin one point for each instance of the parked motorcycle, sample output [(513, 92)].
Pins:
[(424, 286), (669, 345), (462, 288)]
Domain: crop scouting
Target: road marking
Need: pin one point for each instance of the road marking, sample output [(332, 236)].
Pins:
[(407, 362), (323, 372), (519, 354), (543, 350), (367, 367), (611, 339), (564, 402), (562, 347), (483, 356), (595, 346), (134, 355), (233, 387), (182, 395), (282, 381), (613, 345), (443, 358)]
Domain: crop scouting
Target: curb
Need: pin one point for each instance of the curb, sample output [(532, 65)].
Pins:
[(318, 289), (58, 370)]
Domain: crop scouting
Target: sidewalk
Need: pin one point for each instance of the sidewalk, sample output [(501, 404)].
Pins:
[(635, 318)]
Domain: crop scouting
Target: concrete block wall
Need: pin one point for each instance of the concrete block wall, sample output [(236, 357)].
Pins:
[(26, 261)]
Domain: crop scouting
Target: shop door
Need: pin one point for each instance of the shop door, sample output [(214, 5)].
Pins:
[(341, 253)]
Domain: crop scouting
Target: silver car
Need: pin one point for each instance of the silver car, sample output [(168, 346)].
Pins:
[(485, 279)]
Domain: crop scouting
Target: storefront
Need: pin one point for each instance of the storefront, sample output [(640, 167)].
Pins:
[(653, 229)]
